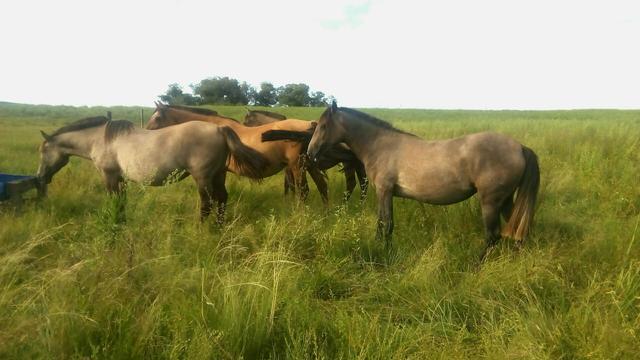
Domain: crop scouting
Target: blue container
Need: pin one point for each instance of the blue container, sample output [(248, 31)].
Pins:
[(7, 178)]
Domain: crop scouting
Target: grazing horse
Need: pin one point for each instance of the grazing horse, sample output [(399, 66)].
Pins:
[(121, 151), (339, 153), (438, 172), (279, 154)]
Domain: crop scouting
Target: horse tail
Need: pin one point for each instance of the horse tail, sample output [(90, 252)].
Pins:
[(521, 216), (248, 161), (276, 135)]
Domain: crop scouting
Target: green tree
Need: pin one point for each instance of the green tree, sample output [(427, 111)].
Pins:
[(267, 96), (222, 90), (294, 95), (318, 98), (175, 96), (249, 92)]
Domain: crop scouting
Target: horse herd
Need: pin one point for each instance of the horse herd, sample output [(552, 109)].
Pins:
[(181, 141)]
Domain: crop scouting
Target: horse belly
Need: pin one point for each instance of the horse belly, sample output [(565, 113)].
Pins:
[(150, 175), (441, 197), (275, 166), (149, 171), (440, 188), (269, 171)]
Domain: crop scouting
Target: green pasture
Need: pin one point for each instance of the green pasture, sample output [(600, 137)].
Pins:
[(287, 280)]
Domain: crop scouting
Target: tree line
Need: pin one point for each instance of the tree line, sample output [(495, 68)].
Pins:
[(228, 91)]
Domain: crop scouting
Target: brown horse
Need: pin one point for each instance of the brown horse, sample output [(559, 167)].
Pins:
[(121, 151), (338, 154), (261, 117), (438, 172), (279, 154)]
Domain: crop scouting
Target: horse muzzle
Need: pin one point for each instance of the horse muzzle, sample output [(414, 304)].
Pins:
[(313, 156), (44, 176), (314, 151)]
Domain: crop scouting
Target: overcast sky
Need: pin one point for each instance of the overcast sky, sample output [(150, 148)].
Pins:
[(489, 54)]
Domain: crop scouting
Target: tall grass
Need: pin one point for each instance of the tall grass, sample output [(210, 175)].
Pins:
[(287, 280)]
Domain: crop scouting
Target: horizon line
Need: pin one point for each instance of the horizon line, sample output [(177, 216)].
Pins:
[(357, 107)]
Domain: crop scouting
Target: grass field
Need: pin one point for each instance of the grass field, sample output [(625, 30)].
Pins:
[(286, 280)]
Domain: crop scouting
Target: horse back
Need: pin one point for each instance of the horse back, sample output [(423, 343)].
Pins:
[(292, 124), (150, 156), (448, 171)]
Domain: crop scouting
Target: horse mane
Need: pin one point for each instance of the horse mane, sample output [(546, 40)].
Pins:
[(82, 124), (200, 111), (270, 114), (116, 128), (370, 119), (195, 110)]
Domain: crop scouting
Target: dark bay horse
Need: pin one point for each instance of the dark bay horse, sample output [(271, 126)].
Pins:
[(438, 172), (337, 154), (121, 151), (279, 154)]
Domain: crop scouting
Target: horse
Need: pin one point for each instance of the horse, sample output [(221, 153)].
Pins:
[(261, 117), (439, 172), (279, 154), (340, 153), (121, 151)]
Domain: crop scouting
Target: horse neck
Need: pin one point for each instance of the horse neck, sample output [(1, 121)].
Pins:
[(82, 143), (265, 119), (361, 136), (182, 116), (225, 122)]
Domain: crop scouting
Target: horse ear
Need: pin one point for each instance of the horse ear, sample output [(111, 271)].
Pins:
[(45, 135), (248, 111), (334, 107)]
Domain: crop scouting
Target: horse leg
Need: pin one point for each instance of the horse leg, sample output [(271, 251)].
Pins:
[(289, 182), (350, 178), (321, 183), (507, 207), (113, 181), (114, 184), (362, 180), (220, 195), (300, 177), (491, 218), (385, 216), (205, 190)]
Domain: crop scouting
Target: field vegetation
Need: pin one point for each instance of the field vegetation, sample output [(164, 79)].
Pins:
[(290, 280)]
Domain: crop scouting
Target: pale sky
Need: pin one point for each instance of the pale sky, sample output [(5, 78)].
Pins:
[(467, 54)]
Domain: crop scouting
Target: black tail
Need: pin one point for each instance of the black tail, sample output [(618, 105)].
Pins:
[(277, 135), (249, 162)]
